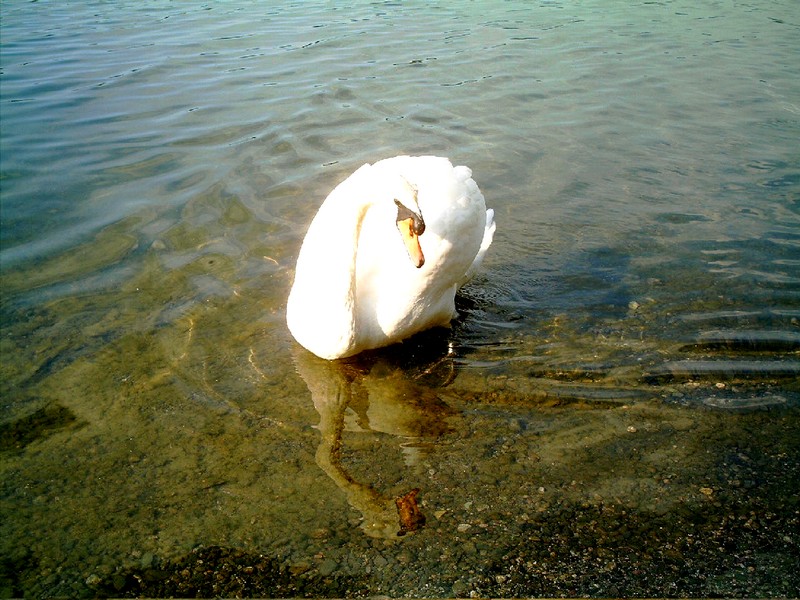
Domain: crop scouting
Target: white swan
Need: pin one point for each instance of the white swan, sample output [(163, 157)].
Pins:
[(385, 254)]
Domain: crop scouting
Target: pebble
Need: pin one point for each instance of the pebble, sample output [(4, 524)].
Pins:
[(299, 568), (459, 588), (327, 567)]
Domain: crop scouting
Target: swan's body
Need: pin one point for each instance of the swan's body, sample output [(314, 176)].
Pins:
[(357, 285)]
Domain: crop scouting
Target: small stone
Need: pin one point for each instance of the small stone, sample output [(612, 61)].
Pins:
[(463, 527), (459, 588), (118, 581), (706, 491), (327, 567), (632, 429), (299, 568)]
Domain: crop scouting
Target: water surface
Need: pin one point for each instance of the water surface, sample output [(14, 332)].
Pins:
[(615, 411)]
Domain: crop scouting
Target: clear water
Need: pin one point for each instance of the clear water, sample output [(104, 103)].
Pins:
[(160, 163)]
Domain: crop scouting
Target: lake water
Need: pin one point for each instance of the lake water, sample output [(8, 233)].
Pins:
[(615, 411)]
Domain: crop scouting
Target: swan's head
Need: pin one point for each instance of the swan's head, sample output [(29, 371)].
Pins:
[(410, 223)]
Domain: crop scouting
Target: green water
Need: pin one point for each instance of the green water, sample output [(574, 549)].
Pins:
[(614, 413)]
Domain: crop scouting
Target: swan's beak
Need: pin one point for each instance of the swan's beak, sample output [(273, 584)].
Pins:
[(408, 231)]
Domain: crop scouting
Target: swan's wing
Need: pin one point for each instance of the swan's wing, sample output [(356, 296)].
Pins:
[(488, 235)]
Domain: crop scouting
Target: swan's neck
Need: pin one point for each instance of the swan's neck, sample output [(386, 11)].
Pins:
[(325, 279)]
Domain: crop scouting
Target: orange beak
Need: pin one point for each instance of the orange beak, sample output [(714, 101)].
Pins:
[(411, 240)]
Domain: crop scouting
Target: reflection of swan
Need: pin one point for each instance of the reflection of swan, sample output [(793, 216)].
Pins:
[(383, 400), (385, 254)]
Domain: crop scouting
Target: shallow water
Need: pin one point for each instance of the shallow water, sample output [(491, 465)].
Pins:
[(624, 374)]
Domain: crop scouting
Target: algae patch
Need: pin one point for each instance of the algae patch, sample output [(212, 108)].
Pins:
[(40, 424)]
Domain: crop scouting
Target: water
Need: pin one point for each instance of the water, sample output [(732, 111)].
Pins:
[(624, 374)]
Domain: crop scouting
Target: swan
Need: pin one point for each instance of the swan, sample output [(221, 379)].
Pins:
[(386, 253)]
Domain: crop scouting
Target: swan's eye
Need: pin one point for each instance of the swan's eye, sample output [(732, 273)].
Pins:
[(404, 213)]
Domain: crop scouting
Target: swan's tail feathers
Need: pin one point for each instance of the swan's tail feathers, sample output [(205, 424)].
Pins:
[(488, 235)]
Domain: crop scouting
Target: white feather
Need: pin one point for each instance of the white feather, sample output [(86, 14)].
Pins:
[(355, 286)]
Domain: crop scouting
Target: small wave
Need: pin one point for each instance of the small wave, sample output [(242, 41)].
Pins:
[(724, 369), (745, 402), (746, 341)]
